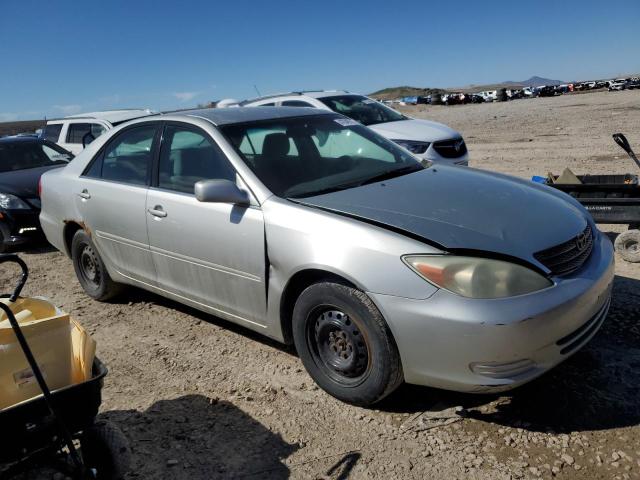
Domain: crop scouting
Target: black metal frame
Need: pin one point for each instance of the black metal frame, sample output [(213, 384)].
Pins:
[(76, 458)]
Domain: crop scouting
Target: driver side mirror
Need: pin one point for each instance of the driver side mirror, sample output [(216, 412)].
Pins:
[(221, 191)]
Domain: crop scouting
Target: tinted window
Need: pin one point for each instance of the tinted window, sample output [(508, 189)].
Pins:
[(295, 103), (52, 132), (189, 156), (77, 131), (267, 105), (128, 157), (23, 155), (331, 153)]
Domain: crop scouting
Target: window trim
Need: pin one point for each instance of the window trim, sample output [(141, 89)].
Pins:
[(99, 156)]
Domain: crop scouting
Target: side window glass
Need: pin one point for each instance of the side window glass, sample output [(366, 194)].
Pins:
[(188, 156), (296, 103), (128, 157), (52, 132), (77, 131)]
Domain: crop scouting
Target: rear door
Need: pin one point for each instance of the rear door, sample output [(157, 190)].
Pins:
[(112, 194), (210, 253)]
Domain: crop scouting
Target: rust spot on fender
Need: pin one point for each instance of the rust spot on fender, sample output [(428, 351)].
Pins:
[(83, 225)]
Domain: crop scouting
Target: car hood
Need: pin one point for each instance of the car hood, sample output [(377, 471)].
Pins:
[(23, 183), (418, 130), (465, 210)]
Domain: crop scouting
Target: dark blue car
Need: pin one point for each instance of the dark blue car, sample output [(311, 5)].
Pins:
[(23, 159)]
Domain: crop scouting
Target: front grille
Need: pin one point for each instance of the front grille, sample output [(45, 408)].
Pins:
[(450, 148), (569, 256)]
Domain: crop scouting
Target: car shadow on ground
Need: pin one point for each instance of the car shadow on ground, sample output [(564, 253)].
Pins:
[(598, 388), (133, 295), (194, 437)]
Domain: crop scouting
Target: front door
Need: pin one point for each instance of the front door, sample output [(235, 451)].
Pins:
[(209, 253), (112, 196)]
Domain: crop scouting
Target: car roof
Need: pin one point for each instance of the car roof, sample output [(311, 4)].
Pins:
[(21, 139), (111, 116), (308, 93), (227, 116)]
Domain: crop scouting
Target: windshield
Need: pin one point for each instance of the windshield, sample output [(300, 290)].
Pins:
[(362, 109), (311, 155), (21, 155)]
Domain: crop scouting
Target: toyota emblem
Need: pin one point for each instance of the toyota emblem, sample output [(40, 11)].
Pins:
[(581, 241)]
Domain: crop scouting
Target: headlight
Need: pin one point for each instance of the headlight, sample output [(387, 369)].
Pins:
[(413, 147), (477, 277), (11, 202)]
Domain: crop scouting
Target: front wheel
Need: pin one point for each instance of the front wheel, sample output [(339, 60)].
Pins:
[(345, 344), (90, 269)]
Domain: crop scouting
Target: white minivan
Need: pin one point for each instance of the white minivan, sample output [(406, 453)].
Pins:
[(74, 132)]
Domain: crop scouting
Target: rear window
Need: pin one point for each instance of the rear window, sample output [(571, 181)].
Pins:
[(25, 155), (52, 132)]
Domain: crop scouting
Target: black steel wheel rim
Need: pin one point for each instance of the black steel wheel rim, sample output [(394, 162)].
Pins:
[(89, 266), (338, 345)]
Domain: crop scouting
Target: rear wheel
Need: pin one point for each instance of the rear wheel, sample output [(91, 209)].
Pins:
[(90, 269), (627, 244), (345, 344)]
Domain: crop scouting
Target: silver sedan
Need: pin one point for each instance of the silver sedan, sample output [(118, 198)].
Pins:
[(310, 228)]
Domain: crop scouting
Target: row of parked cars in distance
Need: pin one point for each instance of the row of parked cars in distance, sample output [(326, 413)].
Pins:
[(459, 98)]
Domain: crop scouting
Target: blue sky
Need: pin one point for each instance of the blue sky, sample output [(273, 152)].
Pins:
[(66, 57)]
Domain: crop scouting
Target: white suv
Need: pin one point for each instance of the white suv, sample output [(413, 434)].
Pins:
[(74, 132), (426, 139)]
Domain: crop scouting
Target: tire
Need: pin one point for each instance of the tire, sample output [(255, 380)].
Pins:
[(105, 449), (90, 269), (627, 244), (345, 344), (3, 248)]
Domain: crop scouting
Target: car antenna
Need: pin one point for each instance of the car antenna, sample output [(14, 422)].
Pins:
[(257, 91)]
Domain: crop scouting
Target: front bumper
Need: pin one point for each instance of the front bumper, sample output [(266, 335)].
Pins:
[(471, 345), (19, 227)]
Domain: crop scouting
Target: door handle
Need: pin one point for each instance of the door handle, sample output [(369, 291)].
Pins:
[(84, 194), (157, 211)]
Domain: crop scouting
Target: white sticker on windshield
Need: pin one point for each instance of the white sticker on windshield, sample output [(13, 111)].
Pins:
[(368, 101), (346, 122)]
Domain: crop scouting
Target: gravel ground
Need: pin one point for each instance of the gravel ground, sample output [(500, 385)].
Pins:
[(202, 399)]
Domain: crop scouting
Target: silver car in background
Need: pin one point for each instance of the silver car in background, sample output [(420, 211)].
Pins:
[(310, 228)]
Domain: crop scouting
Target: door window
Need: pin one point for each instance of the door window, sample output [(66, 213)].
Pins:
[(77, 131), (127, 158), (296, 103), (188, 156)]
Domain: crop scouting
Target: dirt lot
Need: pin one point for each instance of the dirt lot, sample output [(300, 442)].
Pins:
[(201, 399)]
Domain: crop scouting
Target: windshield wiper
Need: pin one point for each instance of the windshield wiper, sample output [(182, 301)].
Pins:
[(392, 174)]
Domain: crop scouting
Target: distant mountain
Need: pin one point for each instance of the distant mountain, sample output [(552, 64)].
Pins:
[(535, 81), (404, 91)]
